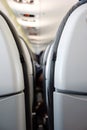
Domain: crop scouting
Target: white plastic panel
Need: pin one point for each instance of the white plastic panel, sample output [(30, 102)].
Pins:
[(12, 113), (11, 75), (70, 112), (71, 62)]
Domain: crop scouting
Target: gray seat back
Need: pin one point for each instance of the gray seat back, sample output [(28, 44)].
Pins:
[(20, 82), (44, 72), (12, 99), (29, 76), (68, 59), (28, 59), (70, 96)]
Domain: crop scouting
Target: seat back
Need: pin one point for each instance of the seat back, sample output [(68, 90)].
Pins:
[(16, 79), (29, 64), (68, 69), (44, 72), (12, 99), (47, 81), (70, 103), (29, 75)]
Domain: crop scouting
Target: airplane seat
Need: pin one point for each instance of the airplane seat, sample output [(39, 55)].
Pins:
[(41, 58), (46, 67), (29, 71), (30, 66), (67, 77), (46, 78), (15, 109)]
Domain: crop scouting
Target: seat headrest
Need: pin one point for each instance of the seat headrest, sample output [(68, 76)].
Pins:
[(11, 75), (71, 62)]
